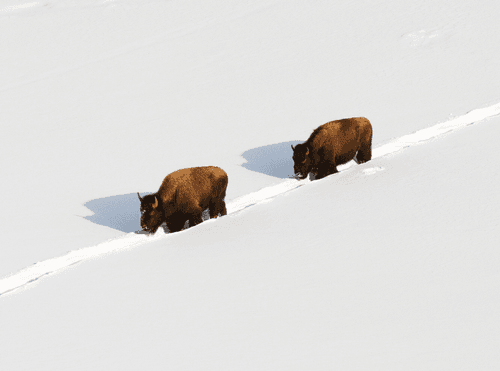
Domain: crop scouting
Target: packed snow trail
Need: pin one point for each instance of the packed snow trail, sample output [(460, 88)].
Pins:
[(47, 267)]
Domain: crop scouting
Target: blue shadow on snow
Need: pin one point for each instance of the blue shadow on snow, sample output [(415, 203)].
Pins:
[(120, 212), (274, 159)]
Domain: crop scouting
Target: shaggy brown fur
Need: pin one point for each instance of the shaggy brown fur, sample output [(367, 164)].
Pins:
[(332, 144), (184, 195)]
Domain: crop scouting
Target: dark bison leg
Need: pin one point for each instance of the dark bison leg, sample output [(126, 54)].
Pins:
[(365, 150), (223, 208), (195, 219), (364, 154), (325, 170), (176, 224), (217, 208)]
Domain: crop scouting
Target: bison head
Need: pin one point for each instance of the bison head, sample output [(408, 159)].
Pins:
[(301, 161), (151, 213)]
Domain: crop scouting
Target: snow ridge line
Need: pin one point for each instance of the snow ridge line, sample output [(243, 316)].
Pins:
[(47, 267), (16, 7)]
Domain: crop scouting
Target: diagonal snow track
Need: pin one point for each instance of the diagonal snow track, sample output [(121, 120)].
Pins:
[(47, 267)]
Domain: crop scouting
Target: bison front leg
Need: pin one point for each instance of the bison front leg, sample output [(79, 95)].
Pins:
[(325, 170), (176, 225), (176, 221)]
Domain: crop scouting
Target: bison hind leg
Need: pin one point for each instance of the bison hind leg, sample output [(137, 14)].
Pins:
[(195, 219), (364, 154), (365, 150), (217, 208)]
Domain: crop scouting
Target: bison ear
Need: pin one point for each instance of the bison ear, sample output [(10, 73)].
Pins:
[(140, 198), (155, 205)]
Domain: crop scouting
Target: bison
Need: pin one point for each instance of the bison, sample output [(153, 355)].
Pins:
[(332, 144), (184, 195)]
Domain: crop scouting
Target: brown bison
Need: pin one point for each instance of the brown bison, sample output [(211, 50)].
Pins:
[(184, 195), (332, 144)]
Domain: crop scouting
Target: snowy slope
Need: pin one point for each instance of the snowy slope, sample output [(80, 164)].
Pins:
[(55, 265), (388, 265), (105, 98)]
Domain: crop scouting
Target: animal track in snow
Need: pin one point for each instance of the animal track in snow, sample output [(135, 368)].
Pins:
[(422, 37), (17, 7), (372, 170), (47, 267)]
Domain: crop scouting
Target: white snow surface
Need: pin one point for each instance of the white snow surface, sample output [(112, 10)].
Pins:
[(388, 265), (41, 269)]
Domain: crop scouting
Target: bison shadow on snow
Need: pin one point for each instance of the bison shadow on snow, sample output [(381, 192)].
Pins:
[(274, 159), (120, 212)]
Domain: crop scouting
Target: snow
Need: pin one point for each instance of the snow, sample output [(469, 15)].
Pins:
[(266, 194), (387, 265)]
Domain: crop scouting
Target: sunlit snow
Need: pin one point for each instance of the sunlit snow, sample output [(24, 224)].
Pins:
[(387, 265)]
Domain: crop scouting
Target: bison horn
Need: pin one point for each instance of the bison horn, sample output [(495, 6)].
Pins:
[(293, 148), (307, 151), (140, 198), (155, 205)]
